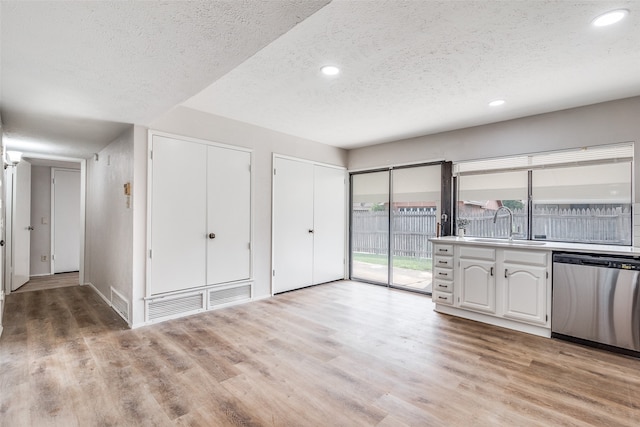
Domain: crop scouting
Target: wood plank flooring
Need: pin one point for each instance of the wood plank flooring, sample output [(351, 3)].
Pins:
[(341, 354), (59, 280)]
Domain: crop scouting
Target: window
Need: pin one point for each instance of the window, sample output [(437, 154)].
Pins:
[(480, 196), (575, 196)]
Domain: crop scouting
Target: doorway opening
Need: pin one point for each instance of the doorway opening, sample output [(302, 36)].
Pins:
[(44, 210)]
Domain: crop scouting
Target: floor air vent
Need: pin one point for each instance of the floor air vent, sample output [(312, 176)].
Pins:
[(176, 306), (120, 304), (226, 296)]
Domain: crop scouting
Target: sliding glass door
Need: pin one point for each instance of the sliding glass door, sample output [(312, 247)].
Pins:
[(393, 214)]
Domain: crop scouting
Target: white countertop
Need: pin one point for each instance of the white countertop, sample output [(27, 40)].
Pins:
[(540, 245)]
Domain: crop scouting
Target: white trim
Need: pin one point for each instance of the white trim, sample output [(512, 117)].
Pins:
[(153, 133), (298, 159), (397, 165)]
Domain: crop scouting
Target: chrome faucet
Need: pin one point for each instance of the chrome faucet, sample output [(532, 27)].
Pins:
[(495, 218)]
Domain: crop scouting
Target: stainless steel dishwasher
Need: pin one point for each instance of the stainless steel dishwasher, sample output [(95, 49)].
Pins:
[(596, 301)]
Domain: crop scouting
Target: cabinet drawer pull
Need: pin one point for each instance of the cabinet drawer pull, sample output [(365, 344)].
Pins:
[(443, 250), (443, 274), (492, 271), (441, 297), (443, 262)]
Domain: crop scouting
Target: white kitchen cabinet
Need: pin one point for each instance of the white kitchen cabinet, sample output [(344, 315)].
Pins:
[(443, 274), (525, 293), (308, 223), (200, 215), (477, 285), (503, 284), (525, 278)]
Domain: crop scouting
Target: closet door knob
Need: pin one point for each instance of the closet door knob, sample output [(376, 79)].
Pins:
[(310, 231), (212, 235)]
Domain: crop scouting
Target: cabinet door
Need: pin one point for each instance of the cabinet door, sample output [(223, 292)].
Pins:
[(477, 285), (178, 215), (292, 224), (328, 224), (525, 290), (228, 215)]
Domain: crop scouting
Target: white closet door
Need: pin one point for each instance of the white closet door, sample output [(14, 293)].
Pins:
[(178, 218), (66, 220), (229, 215), (292, 224), (329, 224)]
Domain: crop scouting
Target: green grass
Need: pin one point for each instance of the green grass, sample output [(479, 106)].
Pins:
[(399, 261)]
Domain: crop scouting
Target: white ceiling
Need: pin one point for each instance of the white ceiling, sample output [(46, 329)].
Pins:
[(76, 73)]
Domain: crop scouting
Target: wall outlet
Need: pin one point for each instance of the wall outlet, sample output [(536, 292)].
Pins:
[(43, 258)]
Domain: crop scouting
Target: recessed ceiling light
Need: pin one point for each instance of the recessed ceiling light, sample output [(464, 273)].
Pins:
[(330, 70), (610, 17), (496, 103)]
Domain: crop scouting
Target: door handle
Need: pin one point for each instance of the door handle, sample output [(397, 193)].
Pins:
[(30, 228), (310, 231), (506, 273), (212, 235), (492, 271)]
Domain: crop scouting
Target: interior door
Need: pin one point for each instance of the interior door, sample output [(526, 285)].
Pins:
[(292, 224), (328, 224), (178, 222), (21, 219), (66, 220), (228, 215)]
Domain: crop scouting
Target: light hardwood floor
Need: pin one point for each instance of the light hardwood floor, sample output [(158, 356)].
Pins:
[(341, 354), (59, 280)]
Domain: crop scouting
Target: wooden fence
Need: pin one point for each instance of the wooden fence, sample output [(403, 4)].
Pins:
[(412, 229)]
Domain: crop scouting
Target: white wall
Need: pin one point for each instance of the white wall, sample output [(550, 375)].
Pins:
[(187, 122), (40, 208), (109, 223)]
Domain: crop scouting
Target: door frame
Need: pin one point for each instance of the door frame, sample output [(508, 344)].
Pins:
[(8, 258), (52, 221), (346, 245), (444, 198)]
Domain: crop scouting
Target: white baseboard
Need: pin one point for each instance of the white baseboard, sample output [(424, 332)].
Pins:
[(106, 300)]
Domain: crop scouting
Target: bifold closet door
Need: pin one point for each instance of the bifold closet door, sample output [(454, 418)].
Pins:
[(229, 215), (292, 224), (328, 224), (178, 215)]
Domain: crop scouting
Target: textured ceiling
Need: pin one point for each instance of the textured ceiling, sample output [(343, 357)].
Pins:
[(76, 73), (411, 68)]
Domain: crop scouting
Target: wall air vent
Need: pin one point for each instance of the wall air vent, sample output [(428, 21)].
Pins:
[(120, 304), (175, 307), (219, 297)]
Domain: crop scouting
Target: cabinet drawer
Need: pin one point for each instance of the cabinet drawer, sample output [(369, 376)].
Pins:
[(443, 286), (477, 252), (443, 261), (443, 250), (442, 298), (526, 257), (443, 273)]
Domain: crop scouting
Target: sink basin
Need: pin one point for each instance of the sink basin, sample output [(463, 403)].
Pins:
[(506, 241)]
